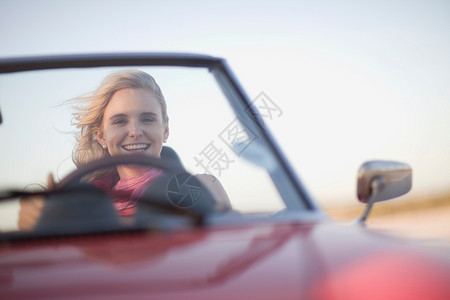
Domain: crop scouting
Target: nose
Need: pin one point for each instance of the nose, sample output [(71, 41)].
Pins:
[(135, 130)]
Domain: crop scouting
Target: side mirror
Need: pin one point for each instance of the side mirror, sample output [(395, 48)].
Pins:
[(380, 181)]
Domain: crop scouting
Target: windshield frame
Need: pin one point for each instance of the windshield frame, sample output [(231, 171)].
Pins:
[(288, 184)]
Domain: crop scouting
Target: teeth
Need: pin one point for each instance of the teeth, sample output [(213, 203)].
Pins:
[(135, 147)]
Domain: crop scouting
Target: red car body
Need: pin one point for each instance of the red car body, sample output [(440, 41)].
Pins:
[(289, 260)]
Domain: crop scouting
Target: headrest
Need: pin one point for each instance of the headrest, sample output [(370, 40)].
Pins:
[(169, 154)]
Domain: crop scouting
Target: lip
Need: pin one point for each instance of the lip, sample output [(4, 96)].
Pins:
[(136, 147)]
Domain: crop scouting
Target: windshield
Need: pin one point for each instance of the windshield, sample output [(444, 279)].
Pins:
[(211, 136)]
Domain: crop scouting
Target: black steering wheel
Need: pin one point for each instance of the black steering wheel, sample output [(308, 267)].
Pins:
[(176, 192), (112, 161)]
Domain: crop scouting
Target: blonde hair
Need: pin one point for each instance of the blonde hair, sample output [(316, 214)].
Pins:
[(88, 117)]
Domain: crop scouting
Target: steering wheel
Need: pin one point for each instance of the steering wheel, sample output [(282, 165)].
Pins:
[(164, 194), (112, 161)]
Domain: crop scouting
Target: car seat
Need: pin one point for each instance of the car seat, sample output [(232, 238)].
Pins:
[(209, 181)]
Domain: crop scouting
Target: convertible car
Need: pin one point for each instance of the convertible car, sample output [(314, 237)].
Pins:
[(227, 219)]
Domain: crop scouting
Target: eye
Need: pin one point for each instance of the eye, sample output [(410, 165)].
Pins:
[(119, 121), (148, 120)]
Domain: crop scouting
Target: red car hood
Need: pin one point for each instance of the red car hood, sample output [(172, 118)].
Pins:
[(257, 261)]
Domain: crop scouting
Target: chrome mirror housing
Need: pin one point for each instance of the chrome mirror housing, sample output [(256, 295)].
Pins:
[(382, 180)]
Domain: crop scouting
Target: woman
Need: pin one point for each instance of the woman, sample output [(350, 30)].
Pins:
[(127, 114)]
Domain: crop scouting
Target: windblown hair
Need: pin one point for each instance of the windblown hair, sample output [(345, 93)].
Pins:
[(88, 117)]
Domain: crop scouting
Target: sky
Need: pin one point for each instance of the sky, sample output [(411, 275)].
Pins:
[(355, 80)]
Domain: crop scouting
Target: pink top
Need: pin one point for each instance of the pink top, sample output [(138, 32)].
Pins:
[(126, 191)]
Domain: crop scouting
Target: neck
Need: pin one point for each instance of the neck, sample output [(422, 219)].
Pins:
[(131, 170)]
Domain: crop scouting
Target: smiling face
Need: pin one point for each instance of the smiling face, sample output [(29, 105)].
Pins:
[(133, 123)]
